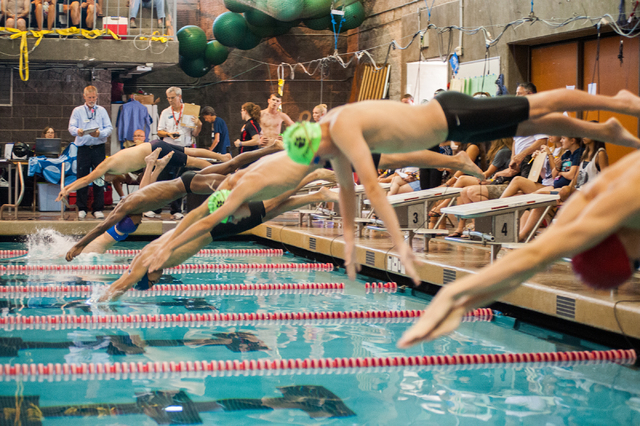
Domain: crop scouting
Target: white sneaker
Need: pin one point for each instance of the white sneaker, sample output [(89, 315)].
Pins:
[(82, 214), (150, 214), (177, 216), (98, 215)]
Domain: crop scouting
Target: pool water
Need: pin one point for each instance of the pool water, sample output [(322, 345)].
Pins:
[(495, 395)]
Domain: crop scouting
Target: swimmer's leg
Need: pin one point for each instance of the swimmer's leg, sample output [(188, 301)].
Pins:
[(276, 206), (560, 100), (558, 124)]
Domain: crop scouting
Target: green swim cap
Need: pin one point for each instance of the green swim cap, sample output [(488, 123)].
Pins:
[(301, 141), (216, 200)]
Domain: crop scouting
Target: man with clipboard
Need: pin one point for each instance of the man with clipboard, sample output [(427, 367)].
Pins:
[(91, 126), (177, 125)]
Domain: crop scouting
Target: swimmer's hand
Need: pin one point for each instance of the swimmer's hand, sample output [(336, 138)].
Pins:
[(155, 263), (441, 317), (74, 252), (349, 263), (62, 195), (408, 261), (162, 163)]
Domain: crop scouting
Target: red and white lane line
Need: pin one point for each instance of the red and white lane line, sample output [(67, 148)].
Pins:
[(201, 253), (210, 319), (192, 268), (131, 370), (176, 289), (390, 287)]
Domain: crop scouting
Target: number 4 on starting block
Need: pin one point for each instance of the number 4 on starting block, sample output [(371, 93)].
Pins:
[(395, 265)]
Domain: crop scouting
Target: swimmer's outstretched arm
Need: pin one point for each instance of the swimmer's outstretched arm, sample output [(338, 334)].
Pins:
[(591, 222), (102, 168), (238, 196)]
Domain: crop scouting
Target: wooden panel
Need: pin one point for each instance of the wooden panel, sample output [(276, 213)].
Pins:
[(614, 76), (554, 66)]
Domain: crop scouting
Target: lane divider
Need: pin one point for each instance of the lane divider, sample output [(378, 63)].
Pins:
[(314, 366), (390, 287), (22, 322), (203, 252), (169, 289), (190, 268)]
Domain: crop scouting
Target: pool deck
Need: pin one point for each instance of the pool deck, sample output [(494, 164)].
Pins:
[(556, 292)]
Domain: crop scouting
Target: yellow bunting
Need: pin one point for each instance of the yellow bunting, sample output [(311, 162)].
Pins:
[(157, 37), (24, 47)]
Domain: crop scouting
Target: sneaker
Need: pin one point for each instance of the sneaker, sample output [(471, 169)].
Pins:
[(132, 23), (98, 215), (177, 216), (82, 214), (150, 214)]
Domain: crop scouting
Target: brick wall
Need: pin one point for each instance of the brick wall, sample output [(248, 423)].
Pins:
[(48, 99)]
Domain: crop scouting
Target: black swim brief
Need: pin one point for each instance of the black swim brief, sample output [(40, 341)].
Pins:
[(186, 178), (179, 158), (224, 230), (482, 119)]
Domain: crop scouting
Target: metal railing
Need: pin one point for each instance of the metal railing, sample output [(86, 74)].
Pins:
[(93, 14)]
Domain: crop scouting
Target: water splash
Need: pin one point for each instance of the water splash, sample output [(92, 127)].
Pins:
[(48, 244)]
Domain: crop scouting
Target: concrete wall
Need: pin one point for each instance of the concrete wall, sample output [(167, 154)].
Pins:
[(48, 99), (399, 20)]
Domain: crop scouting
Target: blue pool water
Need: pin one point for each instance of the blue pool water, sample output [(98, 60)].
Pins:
[(553, 395)]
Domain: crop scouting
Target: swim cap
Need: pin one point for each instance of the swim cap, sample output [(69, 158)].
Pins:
[(604, 266), (216, 200), (301, 141)]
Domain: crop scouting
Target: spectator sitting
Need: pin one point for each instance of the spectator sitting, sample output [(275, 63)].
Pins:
[(500, 155), (45, 10), (220, 133), (14, 12), (48, 133), (405, 180), (158, 5), (477, 154), (80, 13), (594, 159)]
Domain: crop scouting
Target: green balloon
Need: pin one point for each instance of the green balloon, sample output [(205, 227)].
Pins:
[(284, 27), (195, 68), (249, 42), (236, 6), (229, 29), (258, 18), (318, 24), (316, 8), (286, 10), (353, 15), (192, 41), (215, 53), (263, 32)]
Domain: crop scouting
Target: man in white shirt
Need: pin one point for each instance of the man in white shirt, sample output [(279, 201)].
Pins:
[(171, 130)]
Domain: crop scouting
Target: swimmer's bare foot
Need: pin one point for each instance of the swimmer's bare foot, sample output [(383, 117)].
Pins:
[(162, 163), (151, 158), (630, 102), (74, 252), (329, 196), (619, 135), (467, 166)]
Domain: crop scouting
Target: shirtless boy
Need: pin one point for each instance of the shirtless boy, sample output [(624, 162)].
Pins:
[(271, 120), (347, 133), (132, 159)]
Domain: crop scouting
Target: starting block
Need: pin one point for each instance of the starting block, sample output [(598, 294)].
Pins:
[(498, 221)]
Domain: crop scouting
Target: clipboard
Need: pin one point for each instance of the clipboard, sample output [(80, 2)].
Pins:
[(190, 111)]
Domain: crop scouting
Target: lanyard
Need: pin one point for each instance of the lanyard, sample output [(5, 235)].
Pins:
[(179, 118), (91, 112)]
